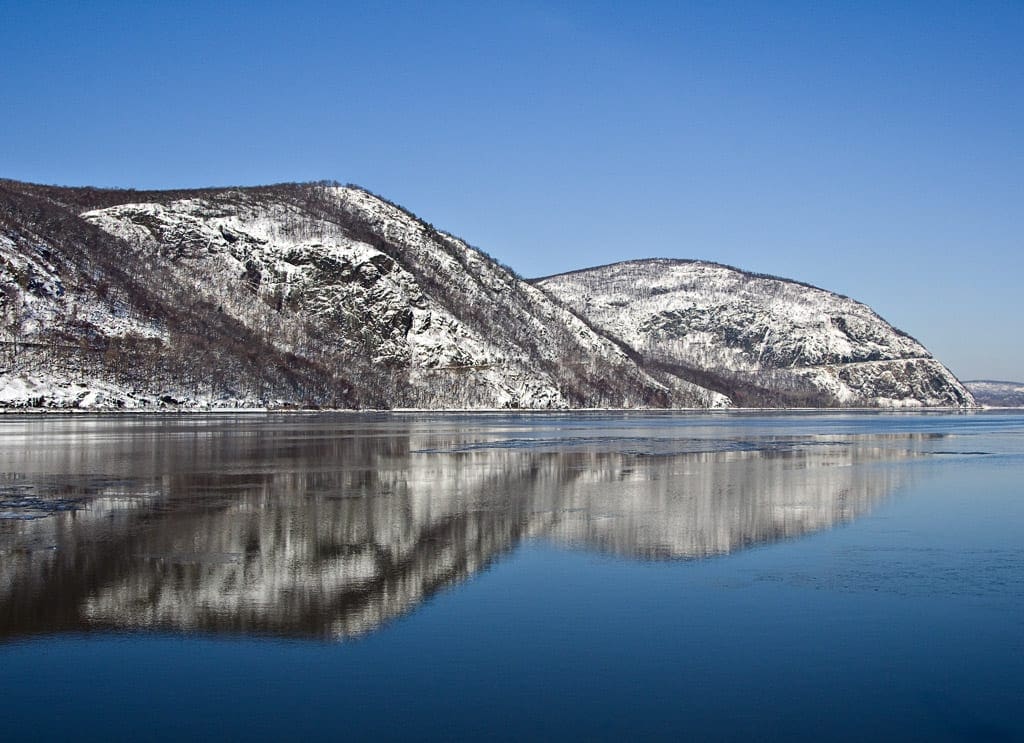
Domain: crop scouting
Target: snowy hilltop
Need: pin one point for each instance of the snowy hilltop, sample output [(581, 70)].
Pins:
[(995, 394), (321, 295), (758, 339)]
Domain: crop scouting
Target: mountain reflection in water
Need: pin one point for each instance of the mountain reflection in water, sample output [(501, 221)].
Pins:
[(328, 527)]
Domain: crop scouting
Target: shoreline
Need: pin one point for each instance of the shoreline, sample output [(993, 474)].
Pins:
[(113, 411)]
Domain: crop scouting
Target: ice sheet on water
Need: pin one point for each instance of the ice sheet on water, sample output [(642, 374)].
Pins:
[(17, 505), (642, 445)]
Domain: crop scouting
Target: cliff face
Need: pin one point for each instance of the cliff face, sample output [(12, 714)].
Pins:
[(328, 296), (758, 339)]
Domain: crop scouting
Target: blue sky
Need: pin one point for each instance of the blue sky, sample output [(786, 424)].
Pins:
[(875, 149)]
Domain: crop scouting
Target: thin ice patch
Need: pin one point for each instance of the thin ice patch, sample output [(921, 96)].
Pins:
[(17, 504)]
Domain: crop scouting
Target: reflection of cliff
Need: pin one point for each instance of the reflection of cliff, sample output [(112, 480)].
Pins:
[(697, 505), (332, 535)]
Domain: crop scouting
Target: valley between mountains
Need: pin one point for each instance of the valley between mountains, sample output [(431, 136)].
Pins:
[(326, 296)]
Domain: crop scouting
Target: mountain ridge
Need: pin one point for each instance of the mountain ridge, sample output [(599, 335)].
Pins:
[(302, 295), (685, 261), (997, 393)]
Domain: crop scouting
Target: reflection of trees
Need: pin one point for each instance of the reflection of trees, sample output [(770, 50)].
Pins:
[(270, 531)]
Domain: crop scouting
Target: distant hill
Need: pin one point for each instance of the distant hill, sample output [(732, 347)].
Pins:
[(997, 394)]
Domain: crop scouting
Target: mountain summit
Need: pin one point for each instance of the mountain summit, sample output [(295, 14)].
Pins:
[(322, 295), (758, 339)]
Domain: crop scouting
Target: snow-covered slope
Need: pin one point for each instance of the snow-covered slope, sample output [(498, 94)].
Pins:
[(90, 320), (381, 308), (431, 321), (759, 339), (997, 394)]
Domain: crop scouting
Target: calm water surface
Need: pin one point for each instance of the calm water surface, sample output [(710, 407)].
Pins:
[(593, 576)]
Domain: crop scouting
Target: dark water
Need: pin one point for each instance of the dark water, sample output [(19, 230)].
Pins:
[(594, 576)]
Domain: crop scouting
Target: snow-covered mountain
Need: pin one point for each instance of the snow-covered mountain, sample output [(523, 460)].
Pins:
[(997, 394), (328, 296), (760, 340), (311, 294)]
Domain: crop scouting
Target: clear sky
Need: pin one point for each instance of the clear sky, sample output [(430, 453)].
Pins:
[(875, 149)]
